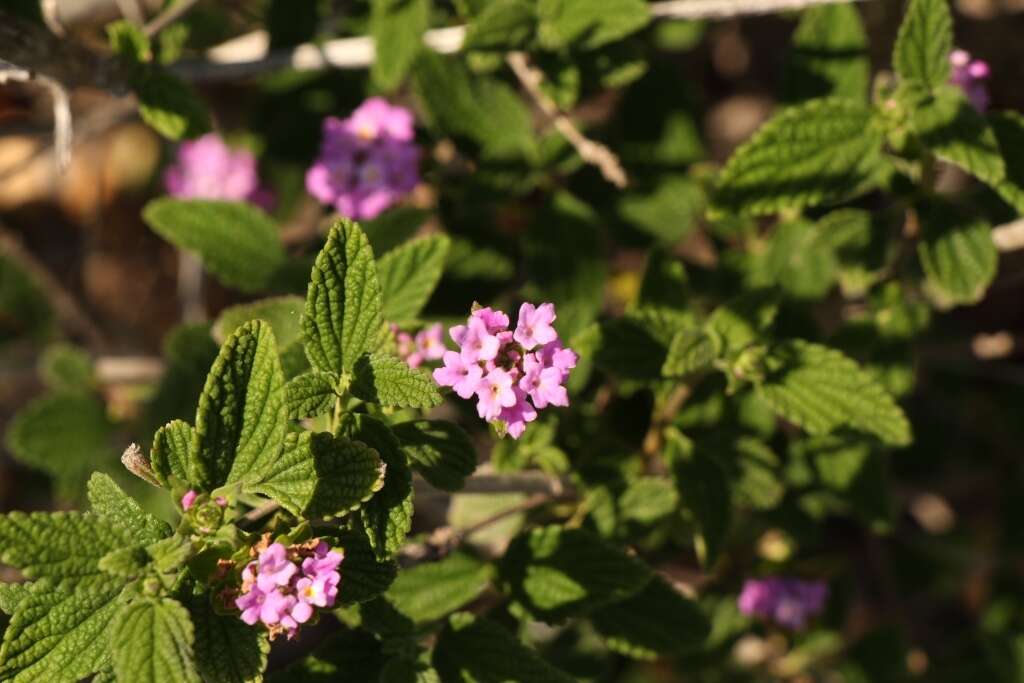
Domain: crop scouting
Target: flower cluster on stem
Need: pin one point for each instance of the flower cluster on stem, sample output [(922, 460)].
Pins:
[(206, 168), (786, 601), (970, 76), (367, 162), (284, 586), (511, 373), (426, 345)]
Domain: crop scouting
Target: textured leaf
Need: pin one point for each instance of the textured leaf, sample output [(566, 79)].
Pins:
[(366, 577), (739, 322), (439, 450), (648, 499), (151, 642), (954, 131), (310, 394), (704, 491), (432, 590), (11, 595), (690, 350), (1008, 127), (501, 25), (174, 451), (557, 573), (169, 105), (801, 260), (342, 318), (241, 419), (409, 274), (657, 620), (829, 56), (397, 27), (957, 254), (109, 501), (586, 24), (59, 636), (226, 649), (320, 475), (820, 389), (283, 313), (819, 152), (236, 242), (387, 517), (476, 650), (388, 381), (924, 43), (63, 546), (636, 345)]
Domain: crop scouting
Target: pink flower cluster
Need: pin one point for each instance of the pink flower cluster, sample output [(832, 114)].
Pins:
[(787, 602), (283, 586), (427, 345), (206, 168), (512, 374), (367, 161), (970, 76)]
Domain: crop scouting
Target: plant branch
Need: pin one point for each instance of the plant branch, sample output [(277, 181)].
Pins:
[(594, 153), (62, 133), (168, 17)]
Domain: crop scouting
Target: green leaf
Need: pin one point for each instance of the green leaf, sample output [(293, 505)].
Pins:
[(655, 621), (820, 389), (668, 212), (1008, 127), (501, 25), (366, 577), (63, 546), (476, 650), (170, 105), (829, 56), (237, 242), (151, 640), (557, 573), (957, 254), (321, 475), (704, 491), (588, 25), (801, 260), (469, 261), (387, 517), (188, 352), (690, 350), (665, 282), (174, 451), (388, 381), (25, 311), (397, 27), (241, 419), (439, 450), (350, 656), (431, 590), (65, 367), (393, 227), (11, 595), (409, 274), (635, 346), (405, 670), (342, 319), (226, 649), (819, 152), (954, 131), (127, 40), (310, 394), (741, 321), (648, 499), (924, 42), (60, 636), (283, 313), (109, 501)]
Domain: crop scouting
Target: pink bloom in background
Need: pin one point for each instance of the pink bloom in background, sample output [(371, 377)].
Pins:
[(787, 602), (367, 162), (283, 586), (189, 499), (512, 374), (206, 168), (427, 345), (970, 76)]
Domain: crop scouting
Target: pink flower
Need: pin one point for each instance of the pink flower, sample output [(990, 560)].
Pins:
[(495, 321), (275, 569), (534, 325), (517, 416), (367, 162), (206, 168), (463, 377), (544, 385), (788, 602), (494, 393), (189, 499), (969, 75), (430, 342), (477, 343)]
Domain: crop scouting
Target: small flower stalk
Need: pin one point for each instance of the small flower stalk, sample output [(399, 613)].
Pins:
[(285, 585), (425, 346), (367, 161), (970, 75), (788, 602), (206, 168), (512, 373)]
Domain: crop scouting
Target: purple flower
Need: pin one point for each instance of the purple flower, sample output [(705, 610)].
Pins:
[(427, 345), (788, 602), (496, 321), (189, 499), (518, 415), (534, 325), (478, 344), (367, 162), (463, 377), (494, 393), (969, 75), (274, 568), (544, 386), (206, 168), (322, 560)]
